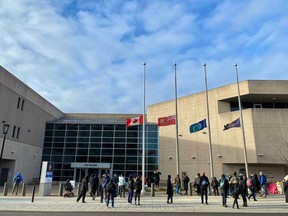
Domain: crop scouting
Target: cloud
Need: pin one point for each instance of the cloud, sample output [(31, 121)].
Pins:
[(87, 56)]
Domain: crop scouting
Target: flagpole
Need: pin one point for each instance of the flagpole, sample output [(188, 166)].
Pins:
[(242, 125), (177, 140), (143, 131), (208, 125)]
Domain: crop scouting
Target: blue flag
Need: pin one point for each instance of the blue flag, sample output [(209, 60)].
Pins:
[(235, 123), (198, 126)]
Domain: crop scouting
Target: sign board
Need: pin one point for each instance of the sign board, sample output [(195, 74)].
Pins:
[(91, 165)]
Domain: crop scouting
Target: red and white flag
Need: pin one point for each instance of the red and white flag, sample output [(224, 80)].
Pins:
[(134, 121), (166, 121)]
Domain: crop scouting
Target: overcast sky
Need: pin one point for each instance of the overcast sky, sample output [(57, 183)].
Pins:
[(87, 56)]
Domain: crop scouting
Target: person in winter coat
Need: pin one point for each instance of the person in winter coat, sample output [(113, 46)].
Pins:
[(251, 191), (121, 186), (285, 187), (138, 188), (83, 189), (130, 188), (177, 182), (215, 185), (243, 189), (111, 190), (16, 182), (204, 184), (169, 190), (94, 185), (224, 187), (263, 185), (197, 184), (186, 180)]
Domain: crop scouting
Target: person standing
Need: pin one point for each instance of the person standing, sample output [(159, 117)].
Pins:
[(224, 187), (138, 188), (197, 184), (157, 178), (204, 183), (215, 185), (169, 190), (243, 189), (186, 180), (130, 188), (110, 190), (122, 183), (263, 185), (94, 185), (83, 189), (16, 182), (177, 182), (285, 188)]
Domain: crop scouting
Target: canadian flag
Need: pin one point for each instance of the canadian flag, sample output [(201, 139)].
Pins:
[(134, 121)]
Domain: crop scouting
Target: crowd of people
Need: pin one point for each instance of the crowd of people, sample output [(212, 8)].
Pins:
[(236, 186)]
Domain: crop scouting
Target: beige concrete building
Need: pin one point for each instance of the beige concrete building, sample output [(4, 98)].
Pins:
[(27, 113), (265, 117)]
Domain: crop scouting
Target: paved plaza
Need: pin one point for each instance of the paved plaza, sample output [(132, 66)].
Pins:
[(182, 203)]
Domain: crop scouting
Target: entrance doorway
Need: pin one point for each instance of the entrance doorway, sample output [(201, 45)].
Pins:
[(4, 176)]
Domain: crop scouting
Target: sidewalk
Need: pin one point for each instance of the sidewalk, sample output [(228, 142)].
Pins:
[(271, 204)]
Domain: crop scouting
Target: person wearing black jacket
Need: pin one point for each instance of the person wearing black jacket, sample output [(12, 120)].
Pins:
[(224, 187), (94, 185), (169, 190), (204, 183), (130, 188), (83, 189), (243, 189), (138, 188)]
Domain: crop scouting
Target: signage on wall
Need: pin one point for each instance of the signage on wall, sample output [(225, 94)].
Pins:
[(91, 165), (49, 171)]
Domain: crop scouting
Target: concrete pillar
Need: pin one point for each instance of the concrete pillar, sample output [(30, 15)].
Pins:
[(190, 188), (60, 193), (23, 189)]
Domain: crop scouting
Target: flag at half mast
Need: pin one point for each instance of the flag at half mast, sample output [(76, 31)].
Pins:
[(134, 121), (198, 126), (235, 123), (166, 121)]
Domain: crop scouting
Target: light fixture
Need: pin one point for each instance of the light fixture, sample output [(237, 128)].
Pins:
[(193, 157), (219, 156), (34, 155), (12, 152), (170, 158), (260, 154)]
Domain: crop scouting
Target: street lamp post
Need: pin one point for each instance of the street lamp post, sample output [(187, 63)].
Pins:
[(5, 131)]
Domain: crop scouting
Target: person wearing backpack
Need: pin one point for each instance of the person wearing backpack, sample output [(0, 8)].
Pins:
[(215, 186), (204, 183), (16, 182), (110, 190), (224, 188), (130, 188)]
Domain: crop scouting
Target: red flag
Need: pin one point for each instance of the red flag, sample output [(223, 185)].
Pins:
[(134, 121), (165, 121)]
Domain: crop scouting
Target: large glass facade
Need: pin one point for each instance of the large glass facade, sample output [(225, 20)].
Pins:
[(67, 143)]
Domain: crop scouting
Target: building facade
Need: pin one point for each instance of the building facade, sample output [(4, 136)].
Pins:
[(265, 117), (82, 144), (26, 112)]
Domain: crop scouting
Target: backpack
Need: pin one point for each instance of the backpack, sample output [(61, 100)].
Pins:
[(222, 183), (110, 187), (204, 182)]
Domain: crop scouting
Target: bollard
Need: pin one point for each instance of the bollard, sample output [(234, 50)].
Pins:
[(78, 189), (152, 189), (5, 189), (33, 193), (190, 188), (60, 189), (23, 189)]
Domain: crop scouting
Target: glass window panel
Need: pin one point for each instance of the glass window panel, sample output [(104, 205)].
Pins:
[(46, 151), (48, 139), (59, 133), (70, 145), (60, 126), (57, 151), (120, 140), (132, 134), (152, 167), (118, 167), (72, 133), (153, 146), (152, 134), (152, 152), (119, 160), (131, 167), (131, 159), (107, 152), (58, 139), (81, 159), (107, 139), (48, 133), (84, 127), (234, 106), (247, 105), (129, 146), (72, 127), (96, 133), (82, 151), (69, 151), (132, 152), (67, 166), (84, 133), (108, 127), (106, 159), (83, 139), (47, 144), (108, 133), (83, 145), (96, 127), (95, 145), (152, 128), (70, 158), (119, 145), (134, 128), (267, 105), (94, 152), (57, 165), (280, 105), (119, 152), (107, 145), (49, 126), (93, 159), (152, 160), (131, 140), (45, 158), (120, 127), (154, 141), (95, 139), (58, 144), (120, 134), (56, 158), (68, 174)]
